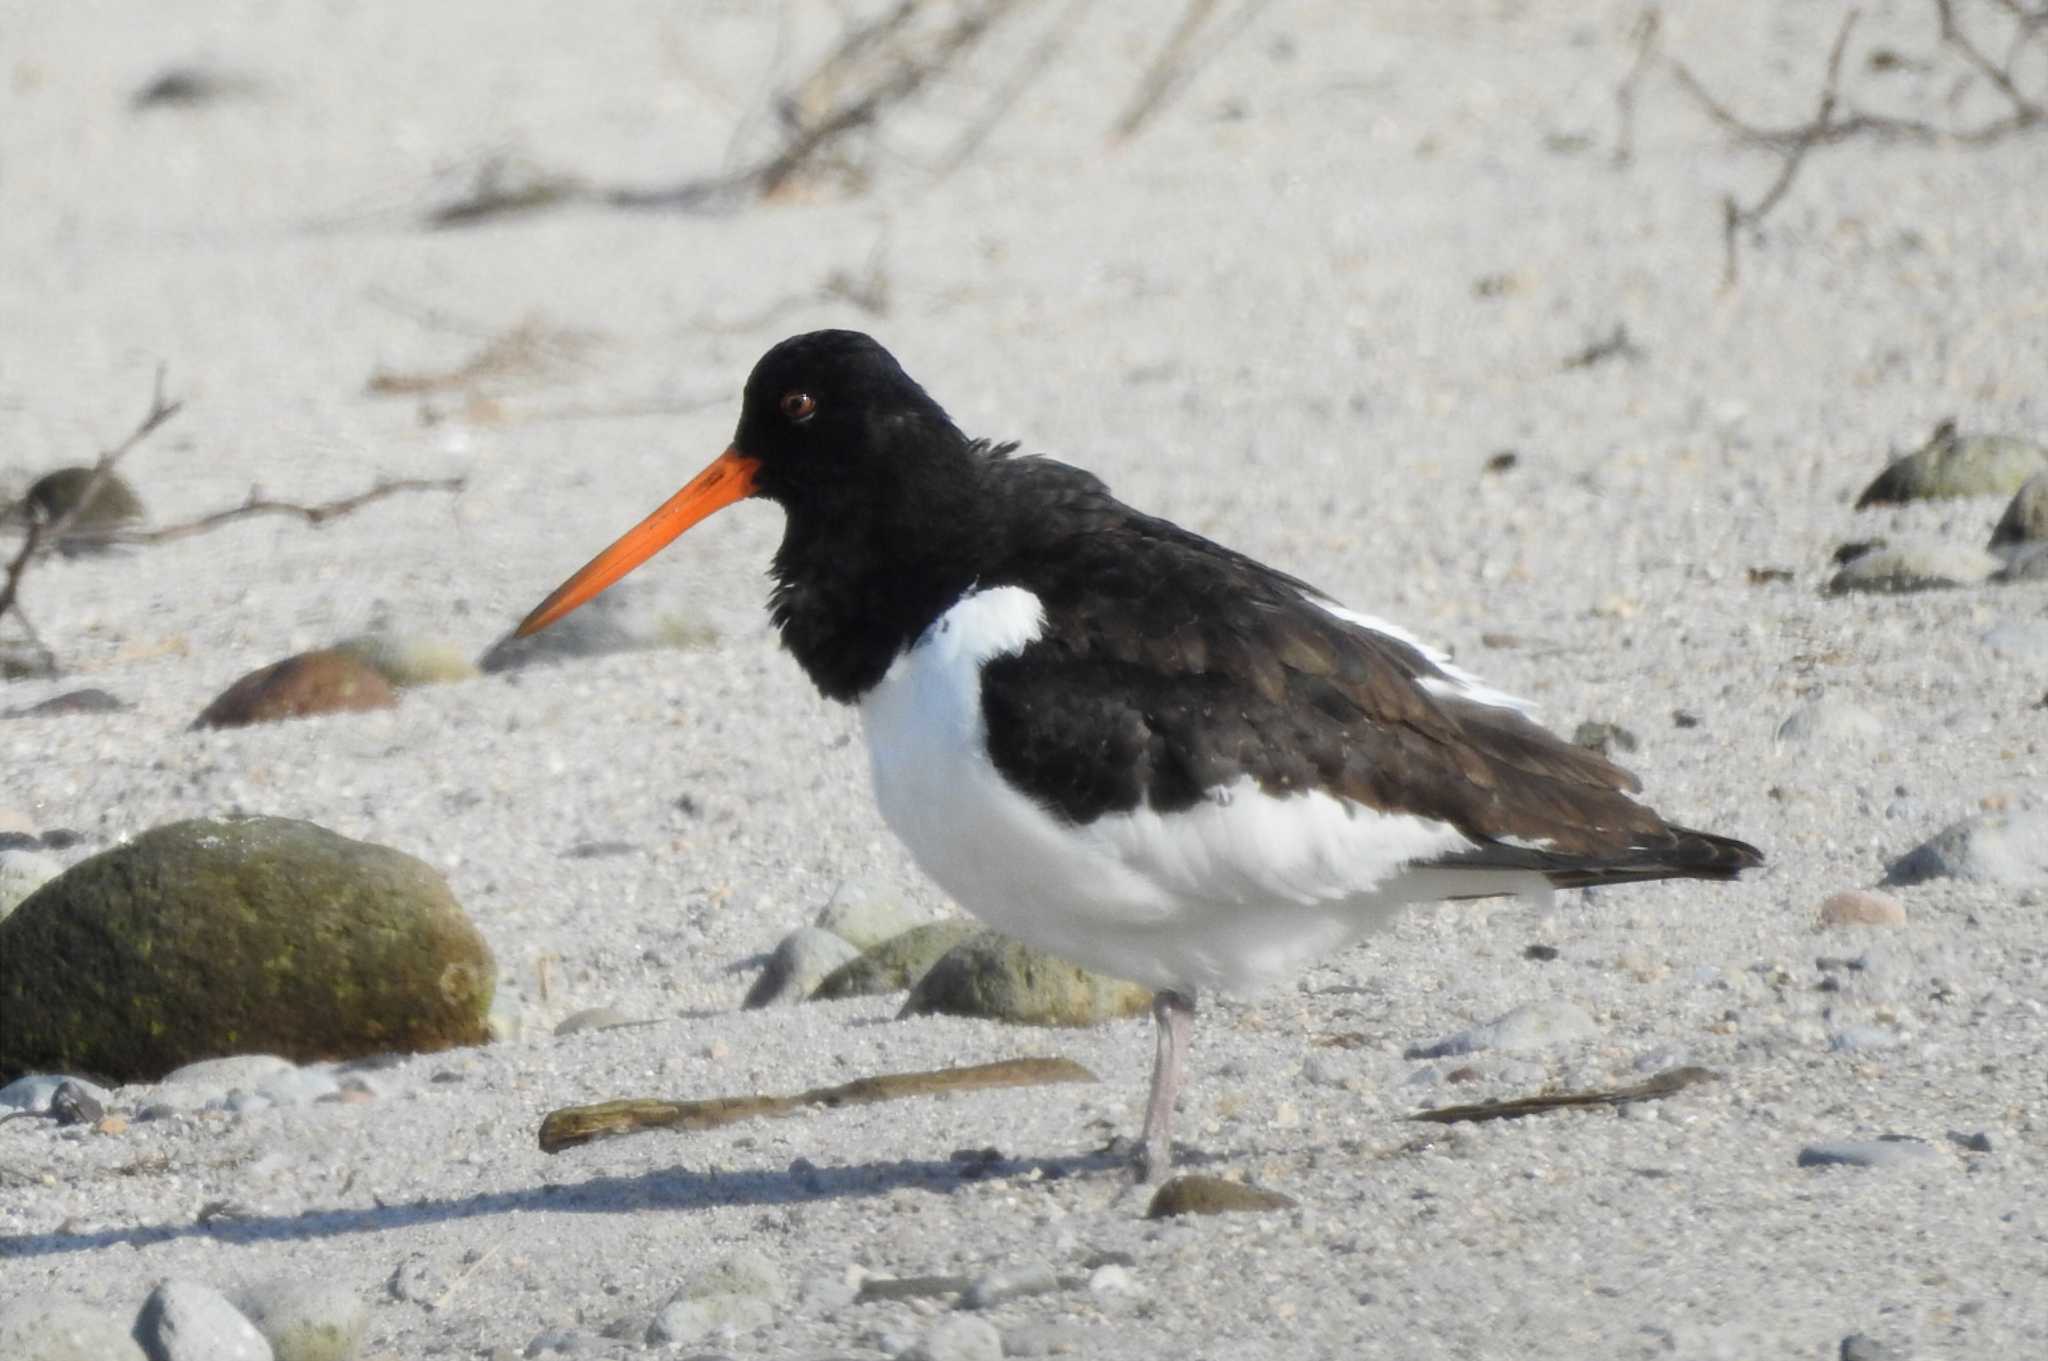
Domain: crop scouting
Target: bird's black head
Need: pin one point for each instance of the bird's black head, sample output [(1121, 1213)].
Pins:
[(831, 412)]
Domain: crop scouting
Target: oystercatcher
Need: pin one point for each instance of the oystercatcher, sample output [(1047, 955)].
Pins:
[(1117, 740)]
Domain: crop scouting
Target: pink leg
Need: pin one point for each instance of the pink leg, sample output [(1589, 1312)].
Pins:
[(1173, 1020)]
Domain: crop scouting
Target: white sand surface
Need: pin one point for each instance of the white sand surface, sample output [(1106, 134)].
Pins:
[(1299, 312)]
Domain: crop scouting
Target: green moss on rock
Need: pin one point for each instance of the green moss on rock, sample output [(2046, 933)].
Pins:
[(237, 935)]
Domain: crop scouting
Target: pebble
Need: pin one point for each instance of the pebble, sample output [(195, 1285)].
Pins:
[(1887, 1152), (35, 1092), (1977, 1142), (1863, 1347), (48, 1328), (863, 919), (1029, 1278), (591, 1018), (1829, 718), (1046, 1339), (190, 1321), (896, 963), (1195, 1194), (1860, 1039), (1862, 907), (961, 1338), (1915, 567), (2026, 516), (993, 976), (800, 963), (2008, 848), (71, 702), (1537, 1025), (306, 1319)]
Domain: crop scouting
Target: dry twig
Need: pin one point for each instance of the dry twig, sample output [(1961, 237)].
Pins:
[(256, 503), (1646, 30), (1180, 59)]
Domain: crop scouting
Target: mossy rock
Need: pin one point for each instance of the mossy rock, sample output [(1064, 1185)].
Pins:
[(993, 976), (895, 964), (1952, 464), (233, 936)]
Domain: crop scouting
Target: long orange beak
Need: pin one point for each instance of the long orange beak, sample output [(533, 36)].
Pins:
[(729, 478)]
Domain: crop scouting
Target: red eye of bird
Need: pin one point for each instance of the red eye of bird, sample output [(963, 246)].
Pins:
[(799, 406)]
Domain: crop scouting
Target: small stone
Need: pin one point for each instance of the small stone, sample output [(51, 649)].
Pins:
[(800, 963), (299, 1086), (299, 687), (1862, 907), (306, 1320), (1863, 1347), (1953, 464), (1006, 1283), (864, 920), (417, 1280), (1538, 1025), (35, 1092), (1886, 1152), (1542, 954), (1829, 719), (114, 503), (1194, 1194), (71, 702), (591, 1018), (2009, 848), (962, 1338), (1860, 1039), (47, 1328), (1605, 738), (2026, 517), (1915, 567), (896, 963), (1978, 1142), (993, 976), (72, 1104), (188, 1321)]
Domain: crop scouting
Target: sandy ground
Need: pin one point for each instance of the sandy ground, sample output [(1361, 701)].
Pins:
[(1299, 312)]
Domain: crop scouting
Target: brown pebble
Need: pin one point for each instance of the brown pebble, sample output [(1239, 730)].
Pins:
[(1862, 907), (112, 1124), (1194, 1194), (324, 682)]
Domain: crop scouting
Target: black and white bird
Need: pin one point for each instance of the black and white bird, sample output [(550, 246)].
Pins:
[(1116, 740)]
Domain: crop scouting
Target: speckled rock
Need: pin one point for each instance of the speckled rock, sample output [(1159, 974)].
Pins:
[(895, 964), (306, 1319), (406, 661), (1953, 464), (1195, 1194), (47, 1328), (1914, 567), (1991, 848), (1862, 907), (219, 936), (993, 976), (311, 683), (800, 962)]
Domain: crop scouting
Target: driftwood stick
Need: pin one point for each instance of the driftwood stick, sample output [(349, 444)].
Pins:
[(572, 1126), (1666, 1083), (258, 504)]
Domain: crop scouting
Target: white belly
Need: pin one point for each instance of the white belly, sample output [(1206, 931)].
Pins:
[(1235, 892)]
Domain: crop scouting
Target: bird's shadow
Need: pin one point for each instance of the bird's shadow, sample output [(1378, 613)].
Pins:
[(668, 1188)]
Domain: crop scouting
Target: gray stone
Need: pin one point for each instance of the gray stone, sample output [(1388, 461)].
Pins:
[(2009, 848), (225, 935), (961, 1338), (307, 1320), (896, 963), (1869, 1153), (1860, 1039), (47, 1328), (630, 617), (1829, 718), (801, 962), (1915, 567), (35, 1092), (1953, 464), (705, 1317), (992, 976), (1537, 1025), (189, 1321), (1010, 1282), (862, 919), (2026, 517), (22, 872), (1863, 1347)]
